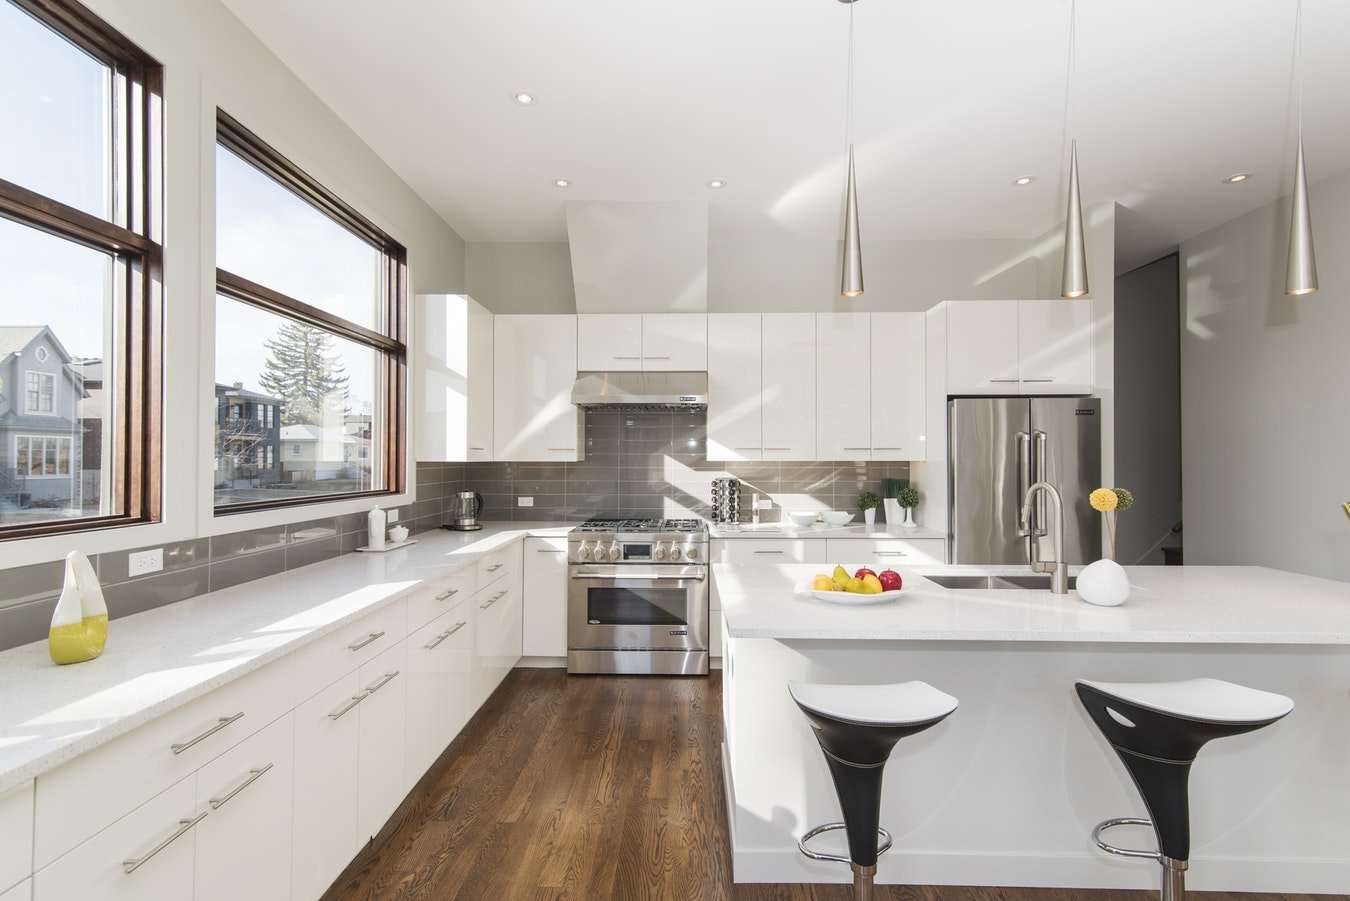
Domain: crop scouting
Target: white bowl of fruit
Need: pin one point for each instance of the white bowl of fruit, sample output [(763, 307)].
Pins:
[(866, 586)]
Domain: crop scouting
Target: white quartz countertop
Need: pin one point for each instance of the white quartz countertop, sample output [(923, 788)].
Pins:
[(820, 530), (1168, 604), (163, 658)]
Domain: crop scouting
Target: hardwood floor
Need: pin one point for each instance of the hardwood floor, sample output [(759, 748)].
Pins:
[(590, 788)]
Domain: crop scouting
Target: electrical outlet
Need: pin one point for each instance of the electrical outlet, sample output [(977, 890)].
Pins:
[(524, 502), (392, 516), (142, 563)]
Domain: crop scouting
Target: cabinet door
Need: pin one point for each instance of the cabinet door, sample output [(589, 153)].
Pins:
[(734, 426), (380, 765), (535, 366), (479, 428), (545, 597), (843, 379), (898, 386), (21, 892), (157, 839), (609, 342), (788, 398), (244, 846), (675, 342), (1055, 346), (323, 837), (499, 633), (982, 347)]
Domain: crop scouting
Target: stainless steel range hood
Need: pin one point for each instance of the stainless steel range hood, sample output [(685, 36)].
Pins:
[(642, 390)]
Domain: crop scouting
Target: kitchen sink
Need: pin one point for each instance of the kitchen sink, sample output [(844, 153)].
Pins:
[(1033, 582)]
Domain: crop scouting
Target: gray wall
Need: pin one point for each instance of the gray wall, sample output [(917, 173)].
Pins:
[(521, 277), (1148, 405), (1263, 398)]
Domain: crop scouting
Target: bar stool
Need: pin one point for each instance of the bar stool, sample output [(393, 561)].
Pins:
[(1157, 729), (857, 726)]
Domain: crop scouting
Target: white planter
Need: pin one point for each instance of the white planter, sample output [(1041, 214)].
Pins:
[(893, 515), (908, 522), (870, 516), (1104, 583)]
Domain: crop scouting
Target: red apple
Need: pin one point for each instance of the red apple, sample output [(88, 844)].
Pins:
[(863, 572), (890, 580)]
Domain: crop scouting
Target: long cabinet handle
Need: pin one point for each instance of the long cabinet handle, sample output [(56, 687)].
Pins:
[(492, 600), (618, 357), (656, 357), (447, 594), (253, 776), (132, 864), (431, 645), (347, 707), (550, 550), (1006, 381), (891, 553), (381, 682), (180, 747), (773, 448), (570, 450), (1051, 379), (769, 553), (493, 569), (478, 448), (888, 448), (858, 448), (455, 628), (372, 637)]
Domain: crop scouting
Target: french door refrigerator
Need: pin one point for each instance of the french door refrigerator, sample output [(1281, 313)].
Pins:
[(997, 447)]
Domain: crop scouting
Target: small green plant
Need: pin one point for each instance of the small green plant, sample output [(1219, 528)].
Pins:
[(908, 496), (868, 501)]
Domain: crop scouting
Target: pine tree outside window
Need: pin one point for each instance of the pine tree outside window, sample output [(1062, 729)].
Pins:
[(310, 319)]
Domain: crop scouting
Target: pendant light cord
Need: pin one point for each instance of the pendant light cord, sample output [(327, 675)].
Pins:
[(848, 96), (1298, 63), (1070, 65)]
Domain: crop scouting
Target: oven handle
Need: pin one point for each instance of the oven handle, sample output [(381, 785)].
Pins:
[(645, 577)]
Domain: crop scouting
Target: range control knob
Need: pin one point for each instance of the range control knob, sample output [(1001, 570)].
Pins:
[(674, 552), (691, 552), (583, 551), (659, 551), (614, 552)]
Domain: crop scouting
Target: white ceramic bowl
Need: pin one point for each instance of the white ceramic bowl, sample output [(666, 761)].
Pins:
[(802, 518), (837, 517)]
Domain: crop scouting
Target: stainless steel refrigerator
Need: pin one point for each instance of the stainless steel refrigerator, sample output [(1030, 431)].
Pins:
[(997, 446)]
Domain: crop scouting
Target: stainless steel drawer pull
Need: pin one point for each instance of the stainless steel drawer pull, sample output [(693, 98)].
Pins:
[(888, 448), (478, 448), (1005, 381), (1039, 380), (492, 600), (372, 637), (455, 628), (657, 357), (381, 682), (622, 357), (221, 723), (132, 864), (347, 707), (550, 550), (747, 448), (447, 594), (857, 448), (777, 448), (495, 567), (431, 645), (253, 776), (891, 554), (769, 552)]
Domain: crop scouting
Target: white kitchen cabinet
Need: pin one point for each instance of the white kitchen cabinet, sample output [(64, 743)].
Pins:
[(545, 597), (534, 368), (1054, 340), (898, 386), (982, 347), (327, 728), (735, 422), (16, 825), (437, 689), (499, 632), (380, 765), (609, 342), (674, 342), (244, 844), (788, 380), (843, 386), (21, 892), (454, 347), (769, 550), (888, 551)]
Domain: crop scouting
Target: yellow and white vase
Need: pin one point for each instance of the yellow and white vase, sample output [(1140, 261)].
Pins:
[(80, 624)]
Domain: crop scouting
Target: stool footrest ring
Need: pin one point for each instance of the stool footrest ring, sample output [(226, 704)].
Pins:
[(882, 847), (1123, 852)]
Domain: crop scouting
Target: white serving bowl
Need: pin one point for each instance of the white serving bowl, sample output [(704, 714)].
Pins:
[(802, 518), (837, 517)]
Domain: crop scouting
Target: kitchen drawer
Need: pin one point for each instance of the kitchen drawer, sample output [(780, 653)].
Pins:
[(888, 551), (21, 892), (79, 798), (16, 827), (769, 550), (440, 660), (160, 835), (498, 564), (439, 596), (355, 644)]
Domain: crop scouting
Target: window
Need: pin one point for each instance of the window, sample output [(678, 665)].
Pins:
[(80, 189), (310, 311)]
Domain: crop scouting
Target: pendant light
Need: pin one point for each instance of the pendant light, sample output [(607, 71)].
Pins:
[(1300, 275), (1074, 278), (851, 279)]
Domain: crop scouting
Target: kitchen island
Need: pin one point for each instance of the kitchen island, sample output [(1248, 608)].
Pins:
[(1007, 790)]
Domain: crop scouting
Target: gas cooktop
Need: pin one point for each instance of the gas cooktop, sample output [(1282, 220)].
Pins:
[(638, 526)]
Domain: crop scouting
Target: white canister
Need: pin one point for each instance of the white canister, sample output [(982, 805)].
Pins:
[(1104, 584), (375, 526)]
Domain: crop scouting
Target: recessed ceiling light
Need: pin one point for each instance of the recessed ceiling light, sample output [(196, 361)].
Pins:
[(1024, 180), (524, 98), (560, 182), (717, 183), (1237, 177)]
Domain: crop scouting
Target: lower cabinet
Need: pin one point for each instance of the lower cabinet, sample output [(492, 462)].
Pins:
[(545, 600), (500, 628), (21, 892), (769, 550), (244, 842), (327, 729), (382, 777), (440, 658), (888, 551)]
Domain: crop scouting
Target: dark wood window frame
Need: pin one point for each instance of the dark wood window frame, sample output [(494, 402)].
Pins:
[(390, 344), (133, 238)]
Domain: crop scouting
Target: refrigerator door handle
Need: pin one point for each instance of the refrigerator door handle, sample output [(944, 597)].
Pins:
[(1023, 478), (1042, 527)]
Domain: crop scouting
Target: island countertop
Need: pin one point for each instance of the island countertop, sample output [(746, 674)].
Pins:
[(1168, 604)]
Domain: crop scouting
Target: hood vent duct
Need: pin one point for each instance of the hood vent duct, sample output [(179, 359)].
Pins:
[(641, 391)]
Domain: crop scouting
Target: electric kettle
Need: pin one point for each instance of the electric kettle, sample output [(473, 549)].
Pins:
[(464, 511)]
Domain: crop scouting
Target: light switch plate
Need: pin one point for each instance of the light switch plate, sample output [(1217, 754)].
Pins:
[(143, 563), (524, 502)]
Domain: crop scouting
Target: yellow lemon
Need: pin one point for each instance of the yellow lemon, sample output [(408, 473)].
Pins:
[(822, 583)]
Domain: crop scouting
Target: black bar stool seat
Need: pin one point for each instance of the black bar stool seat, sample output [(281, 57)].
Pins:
[(1157, 729), (857, 726)]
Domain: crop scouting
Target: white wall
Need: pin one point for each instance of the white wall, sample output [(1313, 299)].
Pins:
[(210, 59), (524, 277), (1265, 433)]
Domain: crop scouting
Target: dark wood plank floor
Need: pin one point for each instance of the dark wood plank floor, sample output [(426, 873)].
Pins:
[(589, 788)]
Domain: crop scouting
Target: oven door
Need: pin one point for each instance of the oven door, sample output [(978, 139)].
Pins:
[(631, 607)]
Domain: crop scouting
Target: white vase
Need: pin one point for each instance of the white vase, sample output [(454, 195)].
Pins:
[(893, 514), (1104, 583), (870, 516), (908, 522)]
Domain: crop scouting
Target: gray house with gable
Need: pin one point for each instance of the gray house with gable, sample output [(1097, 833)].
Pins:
[(41, 433)]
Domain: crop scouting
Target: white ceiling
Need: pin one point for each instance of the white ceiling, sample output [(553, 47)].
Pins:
[(649, 99)]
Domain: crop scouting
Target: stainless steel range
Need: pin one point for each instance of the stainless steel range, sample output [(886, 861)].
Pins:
[(637, 598)]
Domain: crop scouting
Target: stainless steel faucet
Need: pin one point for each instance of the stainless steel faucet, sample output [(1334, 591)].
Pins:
[(1060, 582)]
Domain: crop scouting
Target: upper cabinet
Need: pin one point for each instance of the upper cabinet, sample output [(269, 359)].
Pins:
[(675, 342), (1019, 347), (534, 368), (898, 380), (788, 393), (735, 423), (454, 350), (609, 342), (843, 386)]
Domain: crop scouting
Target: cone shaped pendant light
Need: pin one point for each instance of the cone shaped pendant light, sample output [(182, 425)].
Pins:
[(1300, 276), (851, 278), (1074, 278)]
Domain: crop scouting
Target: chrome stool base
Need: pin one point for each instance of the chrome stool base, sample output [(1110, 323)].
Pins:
[(863, 877), (1173, 871)]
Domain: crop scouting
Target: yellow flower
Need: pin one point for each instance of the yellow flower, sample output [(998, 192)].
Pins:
[(1103, 500)]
